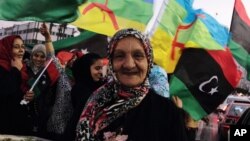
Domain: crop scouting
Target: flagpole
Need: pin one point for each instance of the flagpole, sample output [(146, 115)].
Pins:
[(25, 102), (232, 15), (159, 8)]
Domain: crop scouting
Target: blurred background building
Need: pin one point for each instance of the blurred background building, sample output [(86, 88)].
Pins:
[(30, 32)]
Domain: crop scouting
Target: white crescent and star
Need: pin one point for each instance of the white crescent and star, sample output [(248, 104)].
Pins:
[(213, 89)]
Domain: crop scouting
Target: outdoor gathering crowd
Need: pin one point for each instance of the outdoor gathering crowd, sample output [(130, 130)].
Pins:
[(73, 100)]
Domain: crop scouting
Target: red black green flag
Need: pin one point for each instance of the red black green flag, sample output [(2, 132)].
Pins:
[(240, 41), (203, 79)]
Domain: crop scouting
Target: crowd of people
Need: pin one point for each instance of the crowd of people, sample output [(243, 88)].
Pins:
[(130, 103)]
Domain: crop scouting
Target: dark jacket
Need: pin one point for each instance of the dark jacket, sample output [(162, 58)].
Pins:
[(15, 118), (82, 89), (155, 119), (44, 99)]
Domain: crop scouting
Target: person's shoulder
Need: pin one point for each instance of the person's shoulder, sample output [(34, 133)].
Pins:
[(159, 98), (162, 104)]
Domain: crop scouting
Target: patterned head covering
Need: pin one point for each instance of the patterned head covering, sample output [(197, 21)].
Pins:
[(130, 32), (111, 101), (158, 80)]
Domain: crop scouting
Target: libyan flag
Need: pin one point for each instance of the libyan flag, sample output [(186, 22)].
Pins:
[(59, 11), (203, 79), (240, 41)]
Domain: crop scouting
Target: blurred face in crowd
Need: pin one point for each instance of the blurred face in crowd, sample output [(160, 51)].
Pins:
[(129, 62), (38, 59), (96, 70), (71, 61), (18, 49)]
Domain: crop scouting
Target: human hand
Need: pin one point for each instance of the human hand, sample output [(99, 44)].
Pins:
[(44, 31), (29, 96), (177, 101), (17, 63)]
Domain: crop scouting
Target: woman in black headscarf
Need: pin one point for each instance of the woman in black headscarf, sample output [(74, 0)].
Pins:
[(126, 108), (87, 72)]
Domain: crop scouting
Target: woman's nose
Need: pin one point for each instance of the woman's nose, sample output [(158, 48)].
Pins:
[(129, 62), (21, 50), (100, 71)]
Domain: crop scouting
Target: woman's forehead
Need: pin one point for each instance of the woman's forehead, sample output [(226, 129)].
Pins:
[(40, 53), (129, 43), (17, 41)]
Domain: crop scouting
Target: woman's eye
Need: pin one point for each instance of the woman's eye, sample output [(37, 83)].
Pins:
[(98, 68), (118, 56), (139, 56), (16, 47), (19, 46)]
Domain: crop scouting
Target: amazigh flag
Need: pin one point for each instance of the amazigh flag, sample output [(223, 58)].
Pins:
[(203, 79), (240, 42), (59, 11), (171, 14), (183, 27), (108, 16)]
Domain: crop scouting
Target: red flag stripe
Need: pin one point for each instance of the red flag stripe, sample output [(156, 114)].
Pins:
[(233, 76), (239, 7)]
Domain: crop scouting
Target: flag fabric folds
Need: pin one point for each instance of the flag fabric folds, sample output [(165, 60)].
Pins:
[(186, 42), (178, 24), (203, 79), (59, 11), (240, 42), (108, 16), (181, 27), (85, 42), (66, 43)]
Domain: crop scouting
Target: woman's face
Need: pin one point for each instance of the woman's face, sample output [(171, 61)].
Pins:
[(38, 59), (18, 49), (129, 62), (96, 70)]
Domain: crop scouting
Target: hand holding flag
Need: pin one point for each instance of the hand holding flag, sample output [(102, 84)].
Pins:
[(24, 101)]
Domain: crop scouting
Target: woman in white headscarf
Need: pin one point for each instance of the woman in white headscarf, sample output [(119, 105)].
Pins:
[(44, 90)]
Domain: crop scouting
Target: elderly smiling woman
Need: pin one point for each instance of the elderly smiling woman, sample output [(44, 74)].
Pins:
[(126, 108)]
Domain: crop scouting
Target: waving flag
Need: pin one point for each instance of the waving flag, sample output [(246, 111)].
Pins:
[(240, 41), (86, 42), (59, 11), (108, 16), (185, 28), (203, 79), (162, 33), (178, 24)]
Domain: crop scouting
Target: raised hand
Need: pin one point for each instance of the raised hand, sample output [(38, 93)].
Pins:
[(44, 31), (177, 101)]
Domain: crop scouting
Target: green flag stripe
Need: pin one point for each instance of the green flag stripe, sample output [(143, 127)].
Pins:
[(241, 55), (59, 11), (190, 104), (127, 9), (61, 44), (172, 17)]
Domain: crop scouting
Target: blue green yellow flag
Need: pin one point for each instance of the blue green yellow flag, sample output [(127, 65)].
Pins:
[(108, 16)]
